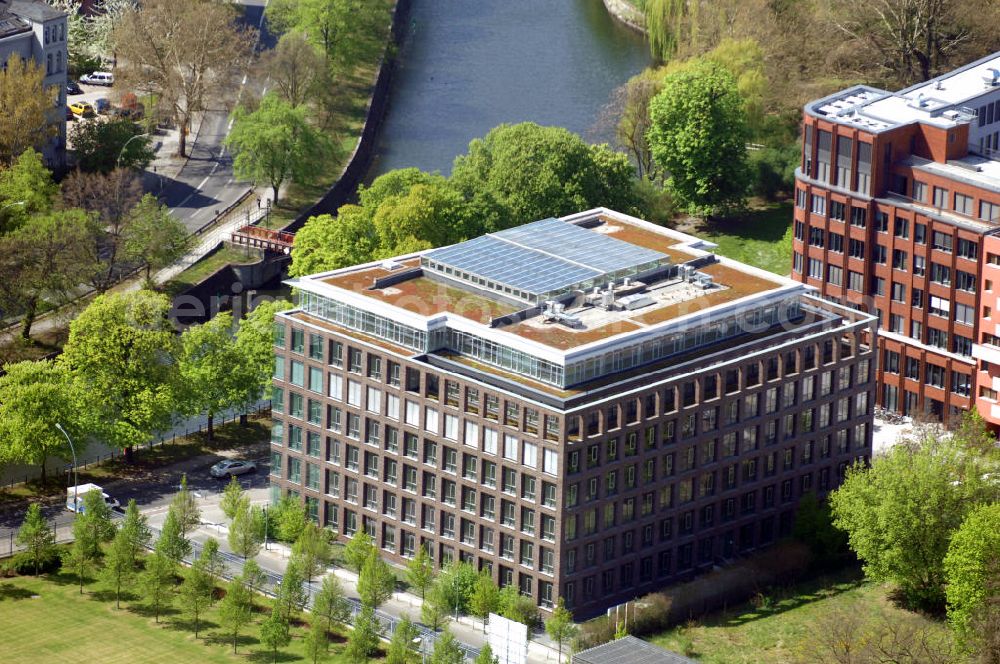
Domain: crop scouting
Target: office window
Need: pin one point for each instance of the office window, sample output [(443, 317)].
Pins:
[(968, 249), (835, 275), (879, 254), (858, 217), (939, 306), (817, 237), (940, 274), (919, 266), (856, 248), (938, 338), (836, 243), (797, 262), (864, 167), (965, 281), (844, 153), (891, 359), (800, 198), (897, 324), (934, 375), (901, 228), (855, 281), (941, 241), (920, 191), (899, 259), (940, 197), (965, 314), (824, 148), (818, 204), (920, 233), (961, 383), (989, 211), (963, 204), (815, 268), (882, 222), (838, 211), (961, 345), (878, 286)]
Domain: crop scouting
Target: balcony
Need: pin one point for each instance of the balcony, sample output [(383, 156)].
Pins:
[(986, 353)]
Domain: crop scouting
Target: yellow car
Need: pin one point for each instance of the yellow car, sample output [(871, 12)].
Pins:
[(82, 108)]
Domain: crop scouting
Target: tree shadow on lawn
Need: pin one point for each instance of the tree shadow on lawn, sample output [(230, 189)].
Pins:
[(13, 592), (268, 656), (108, 596), (146, 611), (69, 578), (187, 625), (779, 600), (767, 224), (223, 639)]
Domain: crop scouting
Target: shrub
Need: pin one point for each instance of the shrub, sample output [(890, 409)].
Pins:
[(24, 564), (774, 171)]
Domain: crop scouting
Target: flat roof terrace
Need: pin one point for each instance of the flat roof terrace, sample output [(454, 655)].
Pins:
[(405, 285)]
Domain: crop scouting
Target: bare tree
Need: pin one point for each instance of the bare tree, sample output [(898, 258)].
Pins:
[(111, 197), (910, 40), (630, 103), (189, 52), (295, 66)]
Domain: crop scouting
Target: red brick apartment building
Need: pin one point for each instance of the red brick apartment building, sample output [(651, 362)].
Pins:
[(590, 407), (898, 206)]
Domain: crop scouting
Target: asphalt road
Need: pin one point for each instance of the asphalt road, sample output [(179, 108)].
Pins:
[(206, 184)]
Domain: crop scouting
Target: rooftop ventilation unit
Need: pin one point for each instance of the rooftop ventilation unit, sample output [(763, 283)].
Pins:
[(391, 265)]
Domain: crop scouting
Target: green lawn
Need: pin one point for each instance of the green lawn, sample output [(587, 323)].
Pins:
[(762, 237), (792, 626), (47, 620)]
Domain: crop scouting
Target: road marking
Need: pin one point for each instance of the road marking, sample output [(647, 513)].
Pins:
[(202, 184)]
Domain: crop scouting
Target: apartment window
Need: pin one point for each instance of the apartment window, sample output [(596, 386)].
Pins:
[(940, 197), (989, 211), (354, 360), (856, 248), (913, 368), (939, 306), (878, 286), (920, 191), (858, 217), (891, 358), (920, 233), (961, 383), (917, 298), (965, 314), (897, 324), (961, 345), (800, 199), (917, 330), (934, 375), (882, 222), (938, 338), (855, 281), (815, 268), (838, 211), (879, 254), (919, 266)]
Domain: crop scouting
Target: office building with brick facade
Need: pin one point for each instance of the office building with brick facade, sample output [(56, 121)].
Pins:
[(590, 407), (897, 210)]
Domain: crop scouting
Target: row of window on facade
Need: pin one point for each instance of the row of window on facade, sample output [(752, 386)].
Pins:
[(926, 372), (843, 175), (665, 563)]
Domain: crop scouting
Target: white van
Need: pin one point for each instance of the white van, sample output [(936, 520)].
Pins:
[(75, 494), (98, 78)]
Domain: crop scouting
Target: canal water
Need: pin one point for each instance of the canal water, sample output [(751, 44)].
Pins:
[(469, 65)]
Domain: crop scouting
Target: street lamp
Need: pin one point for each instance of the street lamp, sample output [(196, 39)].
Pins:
[(265, 527), (13, 204), (76, 482), (121, 153)]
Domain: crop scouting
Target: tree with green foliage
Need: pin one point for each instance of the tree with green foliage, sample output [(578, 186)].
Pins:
[(235, 611), (153, 236), (291, 595), (973, 558), (212, 559), (255, 347), (485, 597), (327, 242), (35, 536), (156, 583), (253, 576), (363, 640), (274, 632), (457, 582), (26, 189), (288, 518), (901, 513), (206, 360), (358, 550), (45, 261), (420, 571), (486, 656), (185, 506), (525, 172), (80, 559), (814, 528), (518, 607), (135, 532), (313, 550), (433, 213), (316, 644), (234, 498), (698, 136), (434, 610), (120, 352), (330, 605), (101, 147), (246, 532), (196, 593), (171, 543), (275, 143), (27, 104), (560, 626), (665, 27), (344, 30), (375, 581), (401, 645), (446, 650), (34, 397), (93, 525), (118, 570)]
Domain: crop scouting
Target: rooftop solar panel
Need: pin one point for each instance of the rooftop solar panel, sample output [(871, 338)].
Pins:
[(543, 256)]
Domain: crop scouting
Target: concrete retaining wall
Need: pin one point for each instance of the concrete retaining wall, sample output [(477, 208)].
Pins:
[(627, 13)]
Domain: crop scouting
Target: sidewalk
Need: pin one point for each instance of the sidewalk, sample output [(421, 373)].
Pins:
[(467, 630)]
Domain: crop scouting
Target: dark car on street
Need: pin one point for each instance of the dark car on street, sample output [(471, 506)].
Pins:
[(73, 89)]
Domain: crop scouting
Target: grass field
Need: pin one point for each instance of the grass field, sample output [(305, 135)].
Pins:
[(47, 620), (793, 626), (762, 237)]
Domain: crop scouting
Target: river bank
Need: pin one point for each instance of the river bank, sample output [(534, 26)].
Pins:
[(627, 13)]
